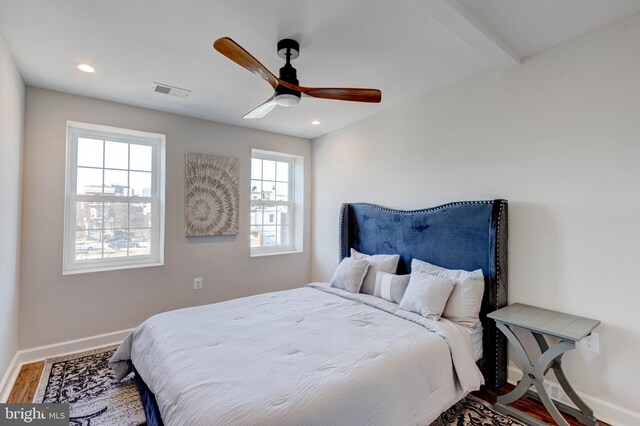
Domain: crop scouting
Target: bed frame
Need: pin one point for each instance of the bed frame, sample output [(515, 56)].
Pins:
[(465, 235)]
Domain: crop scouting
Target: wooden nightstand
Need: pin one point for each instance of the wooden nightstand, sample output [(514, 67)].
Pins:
[(543, 322)]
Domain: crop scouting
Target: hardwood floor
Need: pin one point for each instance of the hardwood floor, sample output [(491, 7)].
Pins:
[(27, 383), (24, 389)]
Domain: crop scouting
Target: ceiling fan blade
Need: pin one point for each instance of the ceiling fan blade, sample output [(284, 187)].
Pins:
[(237, 54), (262, 109), (344, 94), (340, 94)]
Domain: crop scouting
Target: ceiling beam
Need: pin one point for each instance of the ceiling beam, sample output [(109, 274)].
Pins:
[(459, 21)]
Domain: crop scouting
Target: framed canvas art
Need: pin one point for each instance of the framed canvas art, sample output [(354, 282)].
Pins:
[(212, 195)]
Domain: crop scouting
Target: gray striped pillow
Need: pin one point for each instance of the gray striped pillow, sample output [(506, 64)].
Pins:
[(391, 287)]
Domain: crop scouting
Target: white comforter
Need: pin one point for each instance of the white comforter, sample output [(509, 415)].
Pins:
[(309, 356)]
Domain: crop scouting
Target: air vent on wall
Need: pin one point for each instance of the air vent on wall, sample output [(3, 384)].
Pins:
[(171, 90)]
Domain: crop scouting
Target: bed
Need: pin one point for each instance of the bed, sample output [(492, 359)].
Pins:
[(322, 355)]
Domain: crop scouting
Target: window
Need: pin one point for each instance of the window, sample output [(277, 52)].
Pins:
[(114, 207), (276, 203)]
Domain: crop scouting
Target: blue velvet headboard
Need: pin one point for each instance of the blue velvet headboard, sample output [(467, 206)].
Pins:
[(465, 235)]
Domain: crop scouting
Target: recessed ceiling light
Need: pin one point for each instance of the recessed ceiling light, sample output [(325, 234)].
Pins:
[(315, 122), (86, 68)]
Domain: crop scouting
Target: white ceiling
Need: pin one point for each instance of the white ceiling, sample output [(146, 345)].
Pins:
[(404, 47)]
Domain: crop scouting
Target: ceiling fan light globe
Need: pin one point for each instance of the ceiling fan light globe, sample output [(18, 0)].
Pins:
[(287, 100)]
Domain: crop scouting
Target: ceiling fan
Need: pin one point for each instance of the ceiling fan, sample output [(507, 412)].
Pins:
[(287, 91)]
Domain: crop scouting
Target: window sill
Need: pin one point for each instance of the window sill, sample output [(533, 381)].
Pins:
[(274, 253), (110, 268)]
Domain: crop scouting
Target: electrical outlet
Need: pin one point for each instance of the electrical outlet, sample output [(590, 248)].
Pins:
[(591, 343), (197, 283)]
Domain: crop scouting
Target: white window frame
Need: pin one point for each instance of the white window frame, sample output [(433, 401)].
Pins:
[(295, 203), (156, 199)]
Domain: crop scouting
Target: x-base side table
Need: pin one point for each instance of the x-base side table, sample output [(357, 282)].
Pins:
[(543, 322)]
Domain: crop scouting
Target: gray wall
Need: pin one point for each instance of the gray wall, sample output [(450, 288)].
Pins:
[(56, 308), (559, 137), (11, 124)]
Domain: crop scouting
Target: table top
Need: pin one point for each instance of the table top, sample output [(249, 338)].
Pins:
[(545, 321)]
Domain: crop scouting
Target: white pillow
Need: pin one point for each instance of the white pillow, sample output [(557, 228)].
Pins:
[(427, 294), (391, 287), (463, 306), (349, 274), (379, 262)]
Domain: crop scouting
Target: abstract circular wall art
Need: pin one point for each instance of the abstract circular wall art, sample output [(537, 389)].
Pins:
[(212, 195)]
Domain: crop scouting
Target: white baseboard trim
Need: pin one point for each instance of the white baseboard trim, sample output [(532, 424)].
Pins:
[(39, 353), (602, 409), (9, 378)]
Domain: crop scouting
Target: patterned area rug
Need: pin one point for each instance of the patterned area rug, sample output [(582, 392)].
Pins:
[(86, 382), (472, 411)]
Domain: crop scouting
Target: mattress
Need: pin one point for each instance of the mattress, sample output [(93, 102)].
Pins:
[(314, 355)]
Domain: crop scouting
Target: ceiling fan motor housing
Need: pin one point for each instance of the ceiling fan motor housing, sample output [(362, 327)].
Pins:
[(288, 74)]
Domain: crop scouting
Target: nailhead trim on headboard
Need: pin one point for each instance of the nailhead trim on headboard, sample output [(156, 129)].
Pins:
[(430, 209), (343, 211), (498, 278)]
